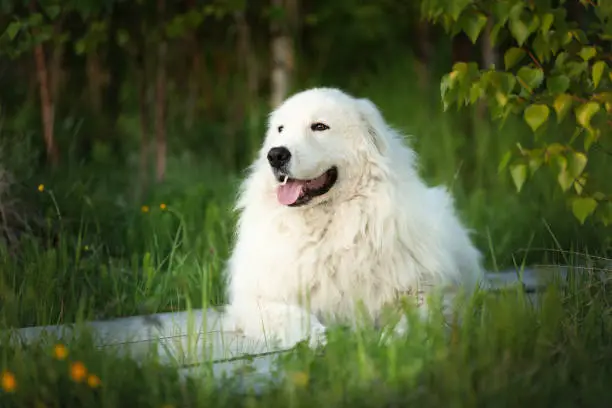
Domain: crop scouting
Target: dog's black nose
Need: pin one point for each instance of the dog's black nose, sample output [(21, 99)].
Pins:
[(278, 156)]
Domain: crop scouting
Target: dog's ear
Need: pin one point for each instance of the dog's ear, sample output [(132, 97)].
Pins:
[(375, 123)]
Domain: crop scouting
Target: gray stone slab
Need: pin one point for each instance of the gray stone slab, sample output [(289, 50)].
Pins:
[(194, 337), (181, 338), (538, 277), (531, 279), (246, 374)]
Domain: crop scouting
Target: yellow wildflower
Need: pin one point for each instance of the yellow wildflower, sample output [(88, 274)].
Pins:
[(144, 208), (60, 352), (41, 187), (300, 378), (78, 371), (163, 206), (93, 381), (9, 383)]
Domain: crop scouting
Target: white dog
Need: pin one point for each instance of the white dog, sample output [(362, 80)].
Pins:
[(334, 220)]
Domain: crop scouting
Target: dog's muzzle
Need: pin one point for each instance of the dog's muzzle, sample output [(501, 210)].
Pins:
[(279, 157)]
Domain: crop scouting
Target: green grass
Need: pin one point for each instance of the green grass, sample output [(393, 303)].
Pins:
[(506, 353), (90, 252)]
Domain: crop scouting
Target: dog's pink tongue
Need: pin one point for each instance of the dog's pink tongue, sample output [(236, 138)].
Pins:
[(288, 193)]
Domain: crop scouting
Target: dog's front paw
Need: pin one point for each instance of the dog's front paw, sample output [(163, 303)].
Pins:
[(394, 332), (280, 326), (296, 331), (317, 336)]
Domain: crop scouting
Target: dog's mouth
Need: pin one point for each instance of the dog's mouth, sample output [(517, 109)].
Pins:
[(294, 192)]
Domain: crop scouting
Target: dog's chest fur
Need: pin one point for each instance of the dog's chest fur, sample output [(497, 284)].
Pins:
[(325, 259)]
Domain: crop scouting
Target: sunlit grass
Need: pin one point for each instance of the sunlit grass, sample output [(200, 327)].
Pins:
[(508, 351)]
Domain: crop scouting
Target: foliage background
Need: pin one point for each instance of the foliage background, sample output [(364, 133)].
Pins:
[(126, 125)]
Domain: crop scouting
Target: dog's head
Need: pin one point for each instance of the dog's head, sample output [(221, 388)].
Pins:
[(318, 144)]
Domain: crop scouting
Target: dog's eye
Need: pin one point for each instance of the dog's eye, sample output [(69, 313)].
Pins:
[(280, 129), (318, 127)]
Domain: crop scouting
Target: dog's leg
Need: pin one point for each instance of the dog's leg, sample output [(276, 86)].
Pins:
[(401, 327), (424, 311), (278, 324)]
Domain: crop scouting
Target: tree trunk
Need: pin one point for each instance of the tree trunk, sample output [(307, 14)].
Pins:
[(57, 60), (94, 76), (113, 70), (249, 63), (45, 98), (423, 54), (144, 130), (490, 56), (461, 48), (246, 56), (489, 60), (193, 90), (160, 102), (282, 53)]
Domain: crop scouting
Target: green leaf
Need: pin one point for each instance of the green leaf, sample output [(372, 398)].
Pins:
[(561, 58), (513, 56), (547, 20), (516, 10), (456, 7), (583, 207), (581, 37), (590, 137), (122, 37), (577, 132), (79, 47), (495, 32), (535, 161), (564, 179), (562, 105), (448, 90), (597, 71), (556, 157), (53, 11), (605, 213), (554, 150), (460, 68), (476, 92), (587, 53), (532, 77), (502, 10), (504, 161), (604, 97), (34, 20), (519, 175), (13, 29), (577, 163), (541, 47), (534, 23), (501, 81), (519, 31), (585, 112), (501, 99), (558, 84), (473, 25), (536, 115), (576, 69), (578, 185)]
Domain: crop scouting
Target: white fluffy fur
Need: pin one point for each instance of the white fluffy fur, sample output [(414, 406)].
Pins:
[(378, 234)]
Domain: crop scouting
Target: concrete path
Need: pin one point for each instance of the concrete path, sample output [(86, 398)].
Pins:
[(193, 338)]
